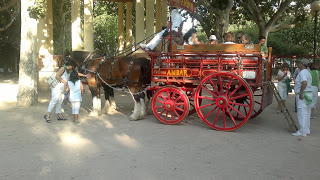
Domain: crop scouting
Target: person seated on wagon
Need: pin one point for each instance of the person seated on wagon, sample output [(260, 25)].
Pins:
[(177, 23), (212, 40), (190, 38), (263, 48), (239, 35), (245, 39), (229, 38)]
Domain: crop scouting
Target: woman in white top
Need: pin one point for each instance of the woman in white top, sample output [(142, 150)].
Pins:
[(283, 76), (57, 92), (76, 90), (190, 38)]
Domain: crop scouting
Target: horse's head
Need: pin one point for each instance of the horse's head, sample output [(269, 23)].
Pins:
[(79, 57)]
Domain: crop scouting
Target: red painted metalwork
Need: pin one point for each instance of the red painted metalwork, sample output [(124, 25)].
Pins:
[(170, 105), (221, 93), (235, 78)]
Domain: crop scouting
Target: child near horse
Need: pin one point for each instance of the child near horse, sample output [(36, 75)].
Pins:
[(76, 90)]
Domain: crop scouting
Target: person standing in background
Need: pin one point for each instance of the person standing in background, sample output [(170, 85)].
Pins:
[(302, 89), (315, 73), (284, 77)]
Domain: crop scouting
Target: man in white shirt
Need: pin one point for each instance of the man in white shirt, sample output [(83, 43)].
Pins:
[(176, 26), (303, 93)]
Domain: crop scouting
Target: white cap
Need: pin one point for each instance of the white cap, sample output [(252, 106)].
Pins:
[(305, 61), (213, 37)]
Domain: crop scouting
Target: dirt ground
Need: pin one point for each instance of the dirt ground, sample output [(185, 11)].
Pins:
[(112, 147)]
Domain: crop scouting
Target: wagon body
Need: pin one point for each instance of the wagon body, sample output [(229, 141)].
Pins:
[(190, 64), (223, 83)]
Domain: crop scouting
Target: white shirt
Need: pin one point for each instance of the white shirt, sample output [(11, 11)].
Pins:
[(75, 91), (229, 42), (282, 83), (65, 76), (189, 41), (176, 19), (304, 75)]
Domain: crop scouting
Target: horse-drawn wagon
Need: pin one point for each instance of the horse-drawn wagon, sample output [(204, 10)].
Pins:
[(223, 83)]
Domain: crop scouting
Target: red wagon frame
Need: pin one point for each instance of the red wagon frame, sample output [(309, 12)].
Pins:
[(224, 83)]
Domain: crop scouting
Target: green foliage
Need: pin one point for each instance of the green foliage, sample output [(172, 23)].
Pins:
[(249, 28), (105, 28), (37, 11), (285, 42), (202, 36), (11, 35), (296, 41)]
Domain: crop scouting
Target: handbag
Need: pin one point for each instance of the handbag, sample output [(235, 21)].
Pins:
[(52, 80), (289, 89)]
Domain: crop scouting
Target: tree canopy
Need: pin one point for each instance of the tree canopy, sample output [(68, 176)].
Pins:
[(272, 18)]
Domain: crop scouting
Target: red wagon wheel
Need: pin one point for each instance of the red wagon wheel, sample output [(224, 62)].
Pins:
[(170, 105), (190, 94), (257, 107), (257, 98), (220, 92)]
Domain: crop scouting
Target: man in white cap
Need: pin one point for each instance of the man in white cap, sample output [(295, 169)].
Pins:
[(303, 92), (177, 23), (212, 40)]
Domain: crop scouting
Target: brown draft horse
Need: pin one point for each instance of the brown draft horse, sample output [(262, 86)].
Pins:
[(127, 71)]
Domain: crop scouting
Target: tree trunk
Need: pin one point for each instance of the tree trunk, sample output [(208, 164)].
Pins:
[(28, 70), (222, 23)]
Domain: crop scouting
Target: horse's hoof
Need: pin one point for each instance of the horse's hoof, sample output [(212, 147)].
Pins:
[(114, 106), (141, 117), (133, 118)]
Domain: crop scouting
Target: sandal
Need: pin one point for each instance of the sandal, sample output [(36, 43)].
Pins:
[(76, 122), (61, 118), (47, 118)]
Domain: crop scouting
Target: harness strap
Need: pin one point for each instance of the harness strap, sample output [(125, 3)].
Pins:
[(129, 70)]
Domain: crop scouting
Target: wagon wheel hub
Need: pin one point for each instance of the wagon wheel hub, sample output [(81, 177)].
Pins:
[(170, 105), (222, 102)]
